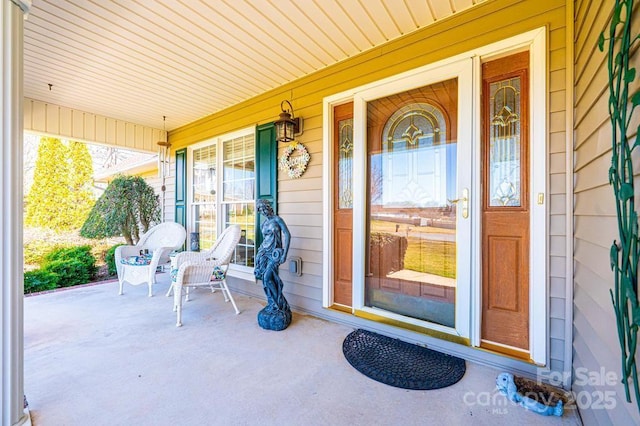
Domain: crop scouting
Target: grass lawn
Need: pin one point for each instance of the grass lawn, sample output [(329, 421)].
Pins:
[(423, 255), (431, 257)]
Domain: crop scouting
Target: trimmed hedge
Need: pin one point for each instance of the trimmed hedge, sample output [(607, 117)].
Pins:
[(62, 267), (70, 272), (81, 254), (39, 280)]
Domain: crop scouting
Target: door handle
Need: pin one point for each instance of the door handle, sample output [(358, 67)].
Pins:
[(465, 202)]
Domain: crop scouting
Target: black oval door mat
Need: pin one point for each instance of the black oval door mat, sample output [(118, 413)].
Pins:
[(401, 364)]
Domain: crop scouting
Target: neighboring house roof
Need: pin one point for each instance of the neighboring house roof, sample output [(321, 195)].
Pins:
[(137, 165)]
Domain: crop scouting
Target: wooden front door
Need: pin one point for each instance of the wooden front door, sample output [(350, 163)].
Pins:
[(343, 204), (505, 205)]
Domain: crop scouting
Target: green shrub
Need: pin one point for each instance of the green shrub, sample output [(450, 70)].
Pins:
[(70, 271), (39, 280), (110, 259), (81, 254)]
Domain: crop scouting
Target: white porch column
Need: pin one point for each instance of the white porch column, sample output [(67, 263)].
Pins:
[(11, 295)]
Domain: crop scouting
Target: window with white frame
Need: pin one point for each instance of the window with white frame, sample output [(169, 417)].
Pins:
[(223, 191)]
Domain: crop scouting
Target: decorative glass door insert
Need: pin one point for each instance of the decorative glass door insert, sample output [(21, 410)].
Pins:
[(504, 149)]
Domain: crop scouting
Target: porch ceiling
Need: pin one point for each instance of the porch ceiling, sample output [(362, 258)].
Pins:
[(140, 60)]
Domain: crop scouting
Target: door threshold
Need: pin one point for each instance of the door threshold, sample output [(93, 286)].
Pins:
[(510, 351), (412, 327), (341, 308)]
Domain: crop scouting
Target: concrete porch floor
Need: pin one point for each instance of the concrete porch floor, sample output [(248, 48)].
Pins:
[(95, 358)]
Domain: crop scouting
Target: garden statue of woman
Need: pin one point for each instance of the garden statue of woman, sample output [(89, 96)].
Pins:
[(271, 254)]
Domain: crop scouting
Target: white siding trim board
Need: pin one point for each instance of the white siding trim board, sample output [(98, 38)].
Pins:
[(59, 121)]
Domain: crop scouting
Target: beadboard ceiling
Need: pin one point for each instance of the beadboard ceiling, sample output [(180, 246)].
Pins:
[(140, 60)]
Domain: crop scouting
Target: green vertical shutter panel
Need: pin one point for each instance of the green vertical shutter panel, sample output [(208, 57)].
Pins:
[(266, 171), (181, 187)]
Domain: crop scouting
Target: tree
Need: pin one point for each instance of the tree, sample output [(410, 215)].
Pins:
[(127, 208), (48, 201), (81, 182)]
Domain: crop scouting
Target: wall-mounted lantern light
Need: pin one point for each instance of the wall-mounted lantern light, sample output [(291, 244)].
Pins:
[(287, 126)]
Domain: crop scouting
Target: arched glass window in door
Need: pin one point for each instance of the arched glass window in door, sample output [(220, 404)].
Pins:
[(416, 155), (415, 125)]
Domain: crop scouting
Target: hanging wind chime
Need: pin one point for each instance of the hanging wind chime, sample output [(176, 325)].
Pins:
[(164, 159)]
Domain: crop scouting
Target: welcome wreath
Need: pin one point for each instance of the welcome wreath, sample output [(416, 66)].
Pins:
[(295, 166)]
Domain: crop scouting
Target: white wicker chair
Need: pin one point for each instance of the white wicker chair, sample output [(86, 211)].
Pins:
[(195, 269), (160, 241)]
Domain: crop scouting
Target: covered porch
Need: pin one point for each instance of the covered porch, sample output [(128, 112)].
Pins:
[(111, 73), (93, 357)]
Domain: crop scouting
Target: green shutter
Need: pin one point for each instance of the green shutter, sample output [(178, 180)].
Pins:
[(266, 171), (181, 187)]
